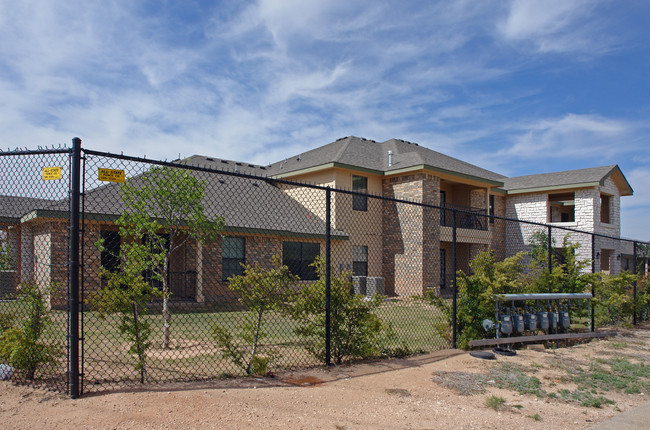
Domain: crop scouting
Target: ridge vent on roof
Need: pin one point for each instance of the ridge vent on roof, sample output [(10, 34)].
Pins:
[(406, 141)]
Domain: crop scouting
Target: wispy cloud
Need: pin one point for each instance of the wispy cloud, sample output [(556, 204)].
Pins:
[(555, 26), (573, 136)]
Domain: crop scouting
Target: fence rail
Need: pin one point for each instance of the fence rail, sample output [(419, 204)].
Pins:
[(201, 268)]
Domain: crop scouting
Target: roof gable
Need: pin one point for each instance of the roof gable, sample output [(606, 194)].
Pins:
[(367, 155), (589, 177)]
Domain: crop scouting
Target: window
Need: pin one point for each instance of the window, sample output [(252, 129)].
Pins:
[(298, 257), (605, 258), (360, 185), (605, 205), (562, 207), (232, 257), (110, 257), (491, 209), (360, 260)]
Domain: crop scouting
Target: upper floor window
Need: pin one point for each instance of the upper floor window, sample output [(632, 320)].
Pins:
[(360, 185), (360, 260), (299, 256), (605, 208), (232, 254), (562, 207)]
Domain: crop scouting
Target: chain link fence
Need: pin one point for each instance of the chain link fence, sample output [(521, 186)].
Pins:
[(205, 268)]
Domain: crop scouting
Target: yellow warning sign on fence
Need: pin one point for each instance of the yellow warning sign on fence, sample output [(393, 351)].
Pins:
[(51, 173), (111, 175)]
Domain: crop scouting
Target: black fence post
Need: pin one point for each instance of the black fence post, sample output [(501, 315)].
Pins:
[(593, 270), (328, 275), (73, 305), (455, 291), (550, 254), (634, 284)]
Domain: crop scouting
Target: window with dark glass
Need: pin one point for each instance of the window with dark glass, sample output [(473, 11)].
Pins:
[(110, 256), (298, 257), (605, 204), (360, 185), (360, 260), (232, 254), (491, 209)]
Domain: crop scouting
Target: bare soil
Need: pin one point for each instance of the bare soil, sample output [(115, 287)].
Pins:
[(416, 393)]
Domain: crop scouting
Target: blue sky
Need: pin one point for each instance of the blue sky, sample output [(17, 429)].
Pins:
[(518, 87)]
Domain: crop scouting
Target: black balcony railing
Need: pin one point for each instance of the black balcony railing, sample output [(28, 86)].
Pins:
[(466, 217)]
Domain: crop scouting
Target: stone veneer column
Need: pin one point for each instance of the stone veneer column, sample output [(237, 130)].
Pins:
[(411, 234)]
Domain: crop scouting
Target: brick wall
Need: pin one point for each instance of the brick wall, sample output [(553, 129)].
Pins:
[(411, 235)]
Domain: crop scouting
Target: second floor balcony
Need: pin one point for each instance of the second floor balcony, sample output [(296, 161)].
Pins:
[(466, 217)]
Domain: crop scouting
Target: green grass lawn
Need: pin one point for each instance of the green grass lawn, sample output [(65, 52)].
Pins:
[(417, 327)]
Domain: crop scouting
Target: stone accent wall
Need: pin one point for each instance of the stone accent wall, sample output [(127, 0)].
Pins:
[(530, 207), (534, 207), (411, 235)]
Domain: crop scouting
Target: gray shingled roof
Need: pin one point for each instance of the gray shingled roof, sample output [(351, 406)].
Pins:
[(371, 155), (247, 204), (14, 207), (586, 177)]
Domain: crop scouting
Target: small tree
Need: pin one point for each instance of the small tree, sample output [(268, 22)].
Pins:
[(127, 295), (260, 291), (164, 209), (21, 343), (355, 328)]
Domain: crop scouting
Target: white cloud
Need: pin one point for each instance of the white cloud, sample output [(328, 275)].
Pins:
[(574, 136), (554, 25)]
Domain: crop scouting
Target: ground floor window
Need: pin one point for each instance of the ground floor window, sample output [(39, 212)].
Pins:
[(360, 260), (110, 256), (233, 253), (298, 257), (605, 258)]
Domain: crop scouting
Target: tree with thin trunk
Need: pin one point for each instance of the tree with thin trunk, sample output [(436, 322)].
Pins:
[(163, 210)]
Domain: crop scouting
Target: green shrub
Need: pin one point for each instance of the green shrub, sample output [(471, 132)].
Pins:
[(260, 291), (21, 343), (475, 293), (614, 299), (356, 330)]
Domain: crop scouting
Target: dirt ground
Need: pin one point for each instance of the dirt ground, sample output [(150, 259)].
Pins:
[(421, 392)]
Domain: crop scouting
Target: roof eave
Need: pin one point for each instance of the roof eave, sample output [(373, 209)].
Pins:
[(409, 169), (552, 188)]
